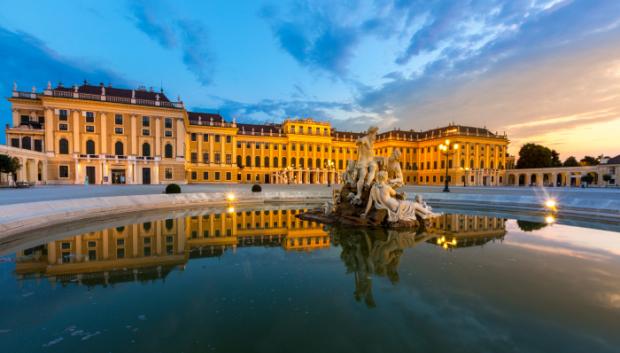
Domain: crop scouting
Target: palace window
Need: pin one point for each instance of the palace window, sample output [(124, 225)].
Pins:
[(168, 133), (266, 162), (146, 149), (228, 139), (168, 153), (205, 137), (217, 178), (284, 162), (146, 122), (90, 147), (228, 177), (194, 157), (168, 123), (90, 117), (62, 115), (275, 162), (248, 161), (238, 144), (63, 171), (193, 136), (217, 138), (205, 157), (63, 146), (218, 158), (194, 176), (118, 119), (90, 128), (228, 158), (118, 148), (118, 130), (15, 142), (257, 161), (257, 146), (205, 175), (146, 132), (63, 127)]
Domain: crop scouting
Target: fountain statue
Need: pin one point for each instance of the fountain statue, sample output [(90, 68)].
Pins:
[(367, 195)]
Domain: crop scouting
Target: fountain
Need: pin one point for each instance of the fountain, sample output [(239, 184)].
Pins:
[(367, 195)]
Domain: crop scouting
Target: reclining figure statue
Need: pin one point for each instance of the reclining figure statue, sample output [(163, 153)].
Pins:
[(382, 196)]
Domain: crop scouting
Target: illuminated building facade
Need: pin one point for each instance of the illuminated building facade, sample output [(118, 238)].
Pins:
[(106, 135)]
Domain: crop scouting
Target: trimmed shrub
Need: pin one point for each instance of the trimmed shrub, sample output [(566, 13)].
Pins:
[(173, 189), (256, 188)]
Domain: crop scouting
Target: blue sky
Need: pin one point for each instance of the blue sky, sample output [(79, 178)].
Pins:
[(545, 71)]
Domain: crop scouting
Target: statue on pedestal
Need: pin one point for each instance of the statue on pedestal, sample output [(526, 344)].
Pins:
[(395, 173), (366, 165)]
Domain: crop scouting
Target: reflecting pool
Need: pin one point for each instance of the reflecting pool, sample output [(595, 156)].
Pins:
[(261, 280)]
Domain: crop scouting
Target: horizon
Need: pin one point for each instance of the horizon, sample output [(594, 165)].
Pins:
[(545, 72)]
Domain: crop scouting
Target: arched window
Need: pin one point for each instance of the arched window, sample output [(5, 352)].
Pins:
[(90, 147), (239, 161), (471, 164), (293, 162), (283, 162), (257, 161), (248, 161), (169, 223), (309, 162), (146, 149), (118, 148), (63, 146), (26, 143), (301, 162), (481, 164), (266, 162), (275, 162), (168, 151), (318, 160)]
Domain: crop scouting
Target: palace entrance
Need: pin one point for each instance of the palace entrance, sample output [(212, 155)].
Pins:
[(118, 176), (146, 175)]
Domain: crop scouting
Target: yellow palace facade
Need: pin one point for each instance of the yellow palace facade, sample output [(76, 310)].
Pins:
[(100, 134)]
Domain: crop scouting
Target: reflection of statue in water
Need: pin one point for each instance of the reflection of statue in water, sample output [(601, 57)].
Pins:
[(373, 252), (366, 165), (383, 197)]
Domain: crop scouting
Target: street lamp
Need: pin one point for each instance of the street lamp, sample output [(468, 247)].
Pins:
[(330, 165), (448, 148)]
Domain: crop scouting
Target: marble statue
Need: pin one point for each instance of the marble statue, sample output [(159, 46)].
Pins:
[(349, 176), (395, 173), (382, 196), (366, 165)]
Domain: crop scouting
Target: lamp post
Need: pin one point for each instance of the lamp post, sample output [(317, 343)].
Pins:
[(448, 148), (330, 166)]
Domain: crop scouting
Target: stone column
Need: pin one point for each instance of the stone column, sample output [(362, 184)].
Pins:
[(158, 136), (212, 147), (77, 172), (76, 131), (155, 173), (134, 136), (539, 179), (49, 131), (16, 119), (104, 133), (199, 153), (180, 134)]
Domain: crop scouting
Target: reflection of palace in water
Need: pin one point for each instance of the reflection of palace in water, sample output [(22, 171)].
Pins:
[(368, 252), (152, 249), (458, 230)]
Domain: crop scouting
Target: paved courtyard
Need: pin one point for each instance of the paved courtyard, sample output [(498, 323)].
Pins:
[(60, 192)]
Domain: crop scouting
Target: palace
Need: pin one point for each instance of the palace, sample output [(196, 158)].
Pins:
[(100, 134)]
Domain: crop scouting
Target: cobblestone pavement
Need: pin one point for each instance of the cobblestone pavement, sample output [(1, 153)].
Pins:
[(60, 192)]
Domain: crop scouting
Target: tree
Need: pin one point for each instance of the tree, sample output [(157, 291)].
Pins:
[(589, 160), (8, 164), (555, 159), (528, 226), (607, 178), (588, 178), (571, 162), (535, 156)]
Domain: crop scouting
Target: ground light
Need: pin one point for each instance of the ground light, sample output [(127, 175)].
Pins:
[(551, 204), (230, 196), (550, 219)]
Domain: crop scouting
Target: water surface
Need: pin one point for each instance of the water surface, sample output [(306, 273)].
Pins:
[(260, 280)]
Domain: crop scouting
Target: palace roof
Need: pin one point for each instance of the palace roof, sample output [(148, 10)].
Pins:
[(200, 118), (116, 92)]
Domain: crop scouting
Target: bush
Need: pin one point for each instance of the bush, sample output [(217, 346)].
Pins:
[(173, 189), (256, 188)]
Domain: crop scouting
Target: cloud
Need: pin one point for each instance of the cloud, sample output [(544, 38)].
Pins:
[(149, 23), (28, 61), (191, 37), (197, 54)]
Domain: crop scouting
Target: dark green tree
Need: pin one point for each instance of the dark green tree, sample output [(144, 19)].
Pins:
[(588, 178), (532, 155), (9, 164), (571, 162), (555, 159), (589, 160), (607, 178)]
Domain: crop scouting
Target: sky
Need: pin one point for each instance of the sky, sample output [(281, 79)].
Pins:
[(543, 71)]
